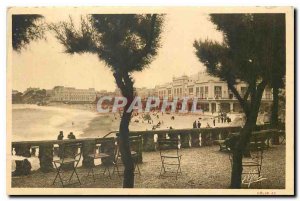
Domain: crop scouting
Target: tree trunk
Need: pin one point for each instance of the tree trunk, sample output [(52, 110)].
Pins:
[(237, 169), (238, 151), (124, 145), (274, 116), (125, 84), (243, 140), (274, 113)]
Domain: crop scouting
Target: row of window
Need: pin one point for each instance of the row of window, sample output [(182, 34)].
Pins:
[(75, 98), (202, 92)]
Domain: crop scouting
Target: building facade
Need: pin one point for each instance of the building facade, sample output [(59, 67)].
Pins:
[(72, 95), (212, 93)]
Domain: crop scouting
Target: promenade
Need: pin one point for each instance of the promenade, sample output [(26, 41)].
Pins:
[(202, 167)]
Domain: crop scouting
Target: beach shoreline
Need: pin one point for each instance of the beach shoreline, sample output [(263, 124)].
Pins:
[(84, 121)]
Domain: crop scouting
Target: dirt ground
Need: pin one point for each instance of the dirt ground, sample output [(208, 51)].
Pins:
[(202, 168)]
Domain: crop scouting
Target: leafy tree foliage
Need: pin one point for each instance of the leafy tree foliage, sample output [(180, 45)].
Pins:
[(25, 29), (126, 42)]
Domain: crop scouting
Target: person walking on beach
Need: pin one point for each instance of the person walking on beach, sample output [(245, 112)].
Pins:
[(195, 124), (199, 124)]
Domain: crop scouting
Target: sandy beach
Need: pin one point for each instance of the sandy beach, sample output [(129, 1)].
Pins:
[(45, 122)]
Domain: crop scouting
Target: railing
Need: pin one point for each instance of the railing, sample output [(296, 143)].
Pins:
[(187, 138)]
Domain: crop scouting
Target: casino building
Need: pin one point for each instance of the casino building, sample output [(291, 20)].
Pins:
[(212, 93)]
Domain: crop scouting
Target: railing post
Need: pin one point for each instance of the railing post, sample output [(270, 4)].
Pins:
[(23, 167), (108, 147), (46, 157), (148, 142), (87, 149)]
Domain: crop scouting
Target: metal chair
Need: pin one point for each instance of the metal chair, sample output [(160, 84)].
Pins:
[(252, 163), (98, 155), (135, 146), (169, 157), (281, 135), (69, 160)]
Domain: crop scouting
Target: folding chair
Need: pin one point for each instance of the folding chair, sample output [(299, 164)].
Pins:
[(255, 160), (169, 157), (135, 146), (281, 135), (252, 164), (98, 155), (69, 160)]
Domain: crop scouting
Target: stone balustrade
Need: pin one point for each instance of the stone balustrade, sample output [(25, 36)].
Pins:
[(187, 138)]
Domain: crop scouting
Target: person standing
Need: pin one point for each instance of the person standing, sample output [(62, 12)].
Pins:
[(199, 124), (195, 124), (214, 122), (60, 135), (71, 136), (207, 125)]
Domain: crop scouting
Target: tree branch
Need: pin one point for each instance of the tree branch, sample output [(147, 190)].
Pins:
[(255, 103), (240, 99), (246, 95), (262, 85)]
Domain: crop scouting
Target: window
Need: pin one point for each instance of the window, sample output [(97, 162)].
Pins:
[(197, 91), (201, 92), (230, 94), (268, 94), (206, 92), (218, 92), (191, 90)]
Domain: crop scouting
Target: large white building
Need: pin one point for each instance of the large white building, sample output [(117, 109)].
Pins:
[(72, 95), (212, 93)]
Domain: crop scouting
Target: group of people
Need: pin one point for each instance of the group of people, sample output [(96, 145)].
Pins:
[(196, 124), (223, 118), (71, 136)]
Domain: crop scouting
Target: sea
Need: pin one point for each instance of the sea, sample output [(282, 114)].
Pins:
[(32, 122)]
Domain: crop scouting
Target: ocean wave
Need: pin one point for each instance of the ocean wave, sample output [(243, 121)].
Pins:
[(32, 122)]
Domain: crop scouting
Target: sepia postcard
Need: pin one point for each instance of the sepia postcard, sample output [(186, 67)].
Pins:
[(150, 101)]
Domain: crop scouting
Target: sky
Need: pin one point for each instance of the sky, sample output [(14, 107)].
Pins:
[(44, 64)]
